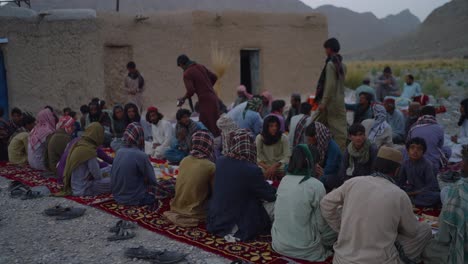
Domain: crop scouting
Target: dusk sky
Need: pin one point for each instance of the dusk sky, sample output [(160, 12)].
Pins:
[(381, 8)]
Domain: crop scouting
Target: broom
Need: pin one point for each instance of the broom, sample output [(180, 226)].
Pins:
[(221, 60)]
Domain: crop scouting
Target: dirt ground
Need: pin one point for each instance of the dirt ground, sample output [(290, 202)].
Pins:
[(28, 236)]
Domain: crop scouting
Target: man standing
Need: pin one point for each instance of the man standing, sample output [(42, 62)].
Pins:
[(295, 108), (374, 217), (330, 93), (386, 85), (134, 85), (396, 120), (199, 80)]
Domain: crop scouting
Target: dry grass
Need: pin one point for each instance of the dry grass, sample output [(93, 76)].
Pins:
[(410, 65), (221, 61), (354, 77)]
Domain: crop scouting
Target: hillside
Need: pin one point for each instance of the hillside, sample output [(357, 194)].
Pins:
[(442, 35), (362, 31)]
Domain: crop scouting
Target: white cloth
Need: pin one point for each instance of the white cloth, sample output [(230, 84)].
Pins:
[(385, 139), (162, 134), (457, 147)]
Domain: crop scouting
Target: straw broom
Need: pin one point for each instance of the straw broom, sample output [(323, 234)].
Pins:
[(221, 61)]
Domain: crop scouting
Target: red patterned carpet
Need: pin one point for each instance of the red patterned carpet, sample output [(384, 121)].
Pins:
[(258, 251)]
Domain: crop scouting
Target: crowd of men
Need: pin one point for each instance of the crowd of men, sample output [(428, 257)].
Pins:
[(317, 185)]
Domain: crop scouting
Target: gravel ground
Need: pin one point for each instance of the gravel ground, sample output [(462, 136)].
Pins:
[(28, 236)]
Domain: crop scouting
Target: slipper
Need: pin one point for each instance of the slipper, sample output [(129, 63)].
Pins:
[(15, 184), (18, 191), (157, 257), (122, 224), (56, 210), (122, 234), (71, 213), (31, 195)]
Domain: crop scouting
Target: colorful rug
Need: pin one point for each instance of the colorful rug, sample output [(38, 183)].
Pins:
[(150, 217)]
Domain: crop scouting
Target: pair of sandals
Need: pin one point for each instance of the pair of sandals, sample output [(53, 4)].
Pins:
[(122, 231), (155, 256), (64, 213), (20, 190)]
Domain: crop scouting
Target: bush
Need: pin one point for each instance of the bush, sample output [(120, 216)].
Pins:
[(432, 86), (443, 93), (354, 78), (460, 83), (397, 71), (374, 72)]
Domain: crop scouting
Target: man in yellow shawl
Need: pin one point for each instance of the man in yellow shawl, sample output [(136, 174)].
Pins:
[(82, 175)]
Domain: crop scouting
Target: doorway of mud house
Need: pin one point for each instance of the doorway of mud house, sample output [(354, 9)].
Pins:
[(250, 69), (116, 58)]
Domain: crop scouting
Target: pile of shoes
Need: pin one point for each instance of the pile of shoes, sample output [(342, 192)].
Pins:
[(155, 256)]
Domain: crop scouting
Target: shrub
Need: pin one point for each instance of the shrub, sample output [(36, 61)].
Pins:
[(443, 93), (460, 83), (432, 86), (354, 78), (374, 72)]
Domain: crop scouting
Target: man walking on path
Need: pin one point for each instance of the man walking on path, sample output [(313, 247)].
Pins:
[(199, 80), (330, 93)]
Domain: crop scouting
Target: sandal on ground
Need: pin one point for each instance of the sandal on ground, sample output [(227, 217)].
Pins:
[(122, 224), (14, 185), (122, 234), (56, 210), (31, 195), (70, 213), (18, 191), (155, 256)]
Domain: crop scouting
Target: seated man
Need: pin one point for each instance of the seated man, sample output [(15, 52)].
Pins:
[(82, 175), (396, 120), (411, 89), (37, 141), (18, 147), (182, 144), (277, 109), (194, 182), (247, 115), (162, 134), (330, 154), (132, 172), (378, 131), (226, 125), (428, 129), (417, 175), (299, 230), (358, 157), (273, 150), (363, 109), (414, 110), (239, 190), (452, 221), (374, 217), (58, 141), (298, 126), (387, 85), (365, 88)]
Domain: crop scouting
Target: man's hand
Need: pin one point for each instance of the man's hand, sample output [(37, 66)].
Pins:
[(270, 173), (454, 139), (319, 170), (180, 101)]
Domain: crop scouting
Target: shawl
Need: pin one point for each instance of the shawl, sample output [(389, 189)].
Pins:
[(242, 89), (337, 61), (190, 129), (269, 97), (380, 124), (254, 104), (453, 221), (323, 140), (300, 129), (134, 135), (66, 123), (308, 172), (202, 145), (361, 155), (241, 146), (423, 121), (45, 125), (82, 151), (226, 125)]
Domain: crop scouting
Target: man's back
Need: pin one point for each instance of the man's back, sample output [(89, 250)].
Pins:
[(374, 212)]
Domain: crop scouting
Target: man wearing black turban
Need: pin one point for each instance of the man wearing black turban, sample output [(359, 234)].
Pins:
[(330, 93)]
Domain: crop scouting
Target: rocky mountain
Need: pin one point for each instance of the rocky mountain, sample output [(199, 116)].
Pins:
[(362, 31), (442, 35), (356, 31)]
